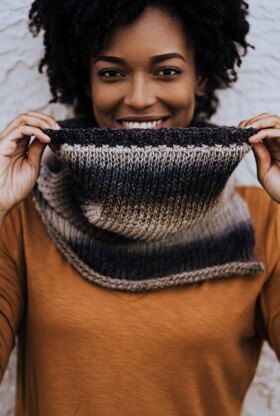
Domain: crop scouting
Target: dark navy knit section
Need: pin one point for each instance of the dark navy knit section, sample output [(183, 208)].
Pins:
[(117, 262)]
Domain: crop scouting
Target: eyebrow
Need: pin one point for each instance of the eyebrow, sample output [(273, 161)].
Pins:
[(154, 59)]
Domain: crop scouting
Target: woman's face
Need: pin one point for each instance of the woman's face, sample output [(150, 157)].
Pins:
[(146, 76)]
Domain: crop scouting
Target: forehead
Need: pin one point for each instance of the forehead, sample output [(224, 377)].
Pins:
[(152, 33)]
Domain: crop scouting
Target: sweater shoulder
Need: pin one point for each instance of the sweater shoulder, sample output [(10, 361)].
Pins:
[(265, 215)]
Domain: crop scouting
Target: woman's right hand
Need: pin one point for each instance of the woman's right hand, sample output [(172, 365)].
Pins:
[(20, 160)]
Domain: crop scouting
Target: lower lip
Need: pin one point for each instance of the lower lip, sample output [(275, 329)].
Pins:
[(158, 126)]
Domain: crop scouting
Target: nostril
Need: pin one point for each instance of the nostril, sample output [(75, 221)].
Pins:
[(139, 100)]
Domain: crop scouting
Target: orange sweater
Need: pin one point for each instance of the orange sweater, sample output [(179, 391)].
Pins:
[(85, 350)]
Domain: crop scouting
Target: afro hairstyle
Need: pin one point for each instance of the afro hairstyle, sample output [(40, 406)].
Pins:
[(76, 30)]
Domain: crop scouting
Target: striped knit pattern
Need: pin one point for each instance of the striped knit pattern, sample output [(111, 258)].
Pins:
[(140, 209)]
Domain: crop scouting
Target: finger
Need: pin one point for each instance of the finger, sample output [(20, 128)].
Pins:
[(28, 131), (263, 159), (243, 123), (19, 138), (47, 117), (265, 134), (266, 122), (32, 120), (35, 153), (247, 123)]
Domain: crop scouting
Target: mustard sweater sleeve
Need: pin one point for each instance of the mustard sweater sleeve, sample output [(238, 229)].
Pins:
[(12, 272), (270, 295)]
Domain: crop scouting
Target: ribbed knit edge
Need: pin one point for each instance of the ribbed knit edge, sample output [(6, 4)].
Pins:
[(189, 136)]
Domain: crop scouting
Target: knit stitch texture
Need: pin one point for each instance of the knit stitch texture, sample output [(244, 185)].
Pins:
[(145, 209)]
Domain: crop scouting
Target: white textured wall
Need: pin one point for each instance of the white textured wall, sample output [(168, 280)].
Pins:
[(257, 91)]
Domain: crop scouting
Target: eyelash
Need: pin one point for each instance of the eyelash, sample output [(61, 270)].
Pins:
[(104, 71)]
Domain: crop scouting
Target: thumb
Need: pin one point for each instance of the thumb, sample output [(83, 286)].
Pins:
[(35, 153), (263, 159)]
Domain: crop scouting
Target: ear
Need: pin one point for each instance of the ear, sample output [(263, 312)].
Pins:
[(200, 87)]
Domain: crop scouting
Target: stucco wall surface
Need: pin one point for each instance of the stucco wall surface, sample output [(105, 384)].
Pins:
[(258, 90)]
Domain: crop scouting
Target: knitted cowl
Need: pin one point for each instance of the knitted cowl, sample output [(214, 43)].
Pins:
[(146, 209)]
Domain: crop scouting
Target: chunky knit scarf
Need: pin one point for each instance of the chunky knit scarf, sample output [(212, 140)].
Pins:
[(139, 210)]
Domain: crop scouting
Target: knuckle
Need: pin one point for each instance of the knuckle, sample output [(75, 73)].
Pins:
[(23, 128), (27, 129), (22, 117), (52, 119), (43, 123)]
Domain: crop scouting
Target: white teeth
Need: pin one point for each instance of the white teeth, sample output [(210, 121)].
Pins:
[(143, 125)]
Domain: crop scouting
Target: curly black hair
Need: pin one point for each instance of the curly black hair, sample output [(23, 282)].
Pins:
[(75, 30)]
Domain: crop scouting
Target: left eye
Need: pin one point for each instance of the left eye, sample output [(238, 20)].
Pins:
[(168, 71)]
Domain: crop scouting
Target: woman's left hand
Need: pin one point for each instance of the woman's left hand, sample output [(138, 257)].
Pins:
[(266, 148)]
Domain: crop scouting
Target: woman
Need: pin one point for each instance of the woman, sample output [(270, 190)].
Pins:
[(191, 348)]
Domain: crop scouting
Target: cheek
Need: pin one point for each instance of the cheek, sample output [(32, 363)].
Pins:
[(104, 96), (181, 97), (181, 94), (101, 99)]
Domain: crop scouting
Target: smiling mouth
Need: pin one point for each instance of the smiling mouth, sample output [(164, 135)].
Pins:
[(145, 124)]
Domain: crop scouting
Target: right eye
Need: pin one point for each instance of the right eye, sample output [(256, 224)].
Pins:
[(110, 74)]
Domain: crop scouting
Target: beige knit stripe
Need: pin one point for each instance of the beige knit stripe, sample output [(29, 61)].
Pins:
[(51, 185), (119, 150), (140, 224)]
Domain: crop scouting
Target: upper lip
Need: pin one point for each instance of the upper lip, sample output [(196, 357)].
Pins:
[(144, 118)]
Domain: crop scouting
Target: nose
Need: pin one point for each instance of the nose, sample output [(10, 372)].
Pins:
[(139, 94)]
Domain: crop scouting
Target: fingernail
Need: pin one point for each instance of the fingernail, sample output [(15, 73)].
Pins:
[(58, 126), (249, 127)]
